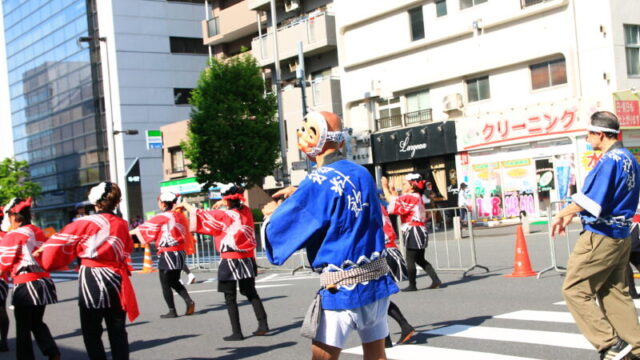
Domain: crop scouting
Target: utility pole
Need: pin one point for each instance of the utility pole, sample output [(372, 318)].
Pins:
[(286, 180)]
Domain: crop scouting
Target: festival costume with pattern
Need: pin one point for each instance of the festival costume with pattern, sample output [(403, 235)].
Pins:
[(413, 216), (334, 214), (33, 290), (597, 266), (398, 269), (103, 244), (169, 231), (235, 240)]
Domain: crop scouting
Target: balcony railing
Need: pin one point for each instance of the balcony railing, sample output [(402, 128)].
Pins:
[(408, 119), (213, 26)]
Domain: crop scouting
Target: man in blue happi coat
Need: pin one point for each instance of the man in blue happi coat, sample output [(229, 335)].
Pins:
[(335, 215), (597, 266)]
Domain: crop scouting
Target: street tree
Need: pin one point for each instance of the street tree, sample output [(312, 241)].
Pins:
[(233, 133), (15, 181)]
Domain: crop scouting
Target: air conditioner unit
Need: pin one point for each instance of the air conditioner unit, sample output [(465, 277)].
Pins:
[(293, 66), (290, 5), (452, 102)]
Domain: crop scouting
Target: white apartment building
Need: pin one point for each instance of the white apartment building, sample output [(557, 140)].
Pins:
[(518, 78)]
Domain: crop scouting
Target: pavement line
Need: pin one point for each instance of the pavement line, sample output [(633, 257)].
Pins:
[(549, 338), (411, 352), (257, 287), (267, 278), (636, 302), (535, 315)]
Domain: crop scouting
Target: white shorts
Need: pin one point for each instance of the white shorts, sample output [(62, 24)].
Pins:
[(370, 321)]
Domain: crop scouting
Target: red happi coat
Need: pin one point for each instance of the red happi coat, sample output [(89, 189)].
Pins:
[(16, 248), (410, 207), (233, 231), (167, 230), (390, 236), (100, 241)]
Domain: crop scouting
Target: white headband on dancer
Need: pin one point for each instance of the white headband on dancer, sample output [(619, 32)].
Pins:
[(314, 134), (98, 192), (6, 222), (597, 129), (168, 196), (413, 176)]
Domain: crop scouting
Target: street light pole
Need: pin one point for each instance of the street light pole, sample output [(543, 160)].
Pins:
[(286, 180), (113, 153)]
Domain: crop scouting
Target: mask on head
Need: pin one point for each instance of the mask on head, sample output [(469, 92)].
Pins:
[(314, 134)]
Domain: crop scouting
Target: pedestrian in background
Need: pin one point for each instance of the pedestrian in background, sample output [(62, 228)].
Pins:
[(413, 216), (464, 201), (4, 292), (595, 287)]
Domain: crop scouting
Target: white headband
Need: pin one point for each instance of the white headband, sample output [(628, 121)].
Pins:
[(325, 135), (413, 176), (168, 196), (97, 192), (596, 129)]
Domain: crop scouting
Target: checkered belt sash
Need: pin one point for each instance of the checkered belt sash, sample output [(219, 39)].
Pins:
[(356, 275)]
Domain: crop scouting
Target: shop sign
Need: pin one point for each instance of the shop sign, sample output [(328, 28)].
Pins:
[(518, 125), (628, 112), (181, 186), (154, 139), (416, 142)]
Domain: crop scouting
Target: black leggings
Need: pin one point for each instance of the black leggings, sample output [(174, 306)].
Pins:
[(248, 289), (415, 256), (91, 324), (169, 279), (4, 320), (28, 321)]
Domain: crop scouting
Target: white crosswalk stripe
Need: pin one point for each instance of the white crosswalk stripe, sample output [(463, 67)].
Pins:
[(504, 333)]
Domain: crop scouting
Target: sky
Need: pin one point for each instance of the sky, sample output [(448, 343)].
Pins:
[(6, 139)]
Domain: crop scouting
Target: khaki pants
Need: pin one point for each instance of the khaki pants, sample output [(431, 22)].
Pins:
[(596, 269)]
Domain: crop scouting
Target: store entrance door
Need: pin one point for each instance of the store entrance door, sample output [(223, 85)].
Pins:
[(545, 179)]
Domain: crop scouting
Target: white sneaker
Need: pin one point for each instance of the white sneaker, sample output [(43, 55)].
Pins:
[(191, 279)]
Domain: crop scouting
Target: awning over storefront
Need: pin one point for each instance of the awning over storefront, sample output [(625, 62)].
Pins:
[(415, 142)]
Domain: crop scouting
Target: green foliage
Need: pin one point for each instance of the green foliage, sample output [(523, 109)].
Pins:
[(14, 181), (257, 215), (233, 133)]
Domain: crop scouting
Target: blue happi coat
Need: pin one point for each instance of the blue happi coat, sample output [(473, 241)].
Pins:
[(335, 215), (610, 193)]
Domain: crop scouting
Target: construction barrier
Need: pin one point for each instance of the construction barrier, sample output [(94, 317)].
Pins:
[(451, 245), (559, 243)]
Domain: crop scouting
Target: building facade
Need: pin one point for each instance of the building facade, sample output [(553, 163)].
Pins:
[(518, 78), (84, 77)]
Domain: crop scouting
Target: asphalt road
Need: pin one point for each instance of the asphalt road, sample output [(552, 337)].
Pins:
[(481, 316)]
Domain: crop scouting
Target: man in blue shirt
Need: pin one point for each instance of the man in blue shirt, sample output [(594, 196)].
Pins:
[(336, 216), (597, 266)]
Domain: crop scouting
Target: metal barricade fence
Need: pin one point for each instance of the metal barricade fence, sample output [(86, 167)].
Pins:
[(565, 241), (206, 257), (446, 244)]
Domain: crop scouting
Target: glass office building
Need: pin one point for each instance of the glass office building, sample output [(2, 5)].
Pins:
[(56, 101)]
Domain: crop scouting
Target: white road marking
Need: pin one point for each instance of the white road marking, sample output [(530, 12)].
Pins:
[(411, 352)]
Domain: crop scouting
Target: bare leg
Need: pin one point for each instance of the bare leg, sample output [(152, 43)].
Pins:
[(374, 350), (320, 351)]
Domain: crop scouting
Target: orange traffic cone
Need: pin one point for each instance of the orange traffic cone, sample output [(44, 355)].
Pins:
[(147, 265), (521, 264)]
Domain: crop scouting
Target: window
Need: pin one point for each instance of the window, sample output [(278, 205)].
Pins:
[(188, 1), (181, 96), (478, 89), (548, 73), (389, 114), (177, 160), (184, 45), (469, 3), (417, 24), (632, 47), (525, 3), (441, 8), (418, 107)]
